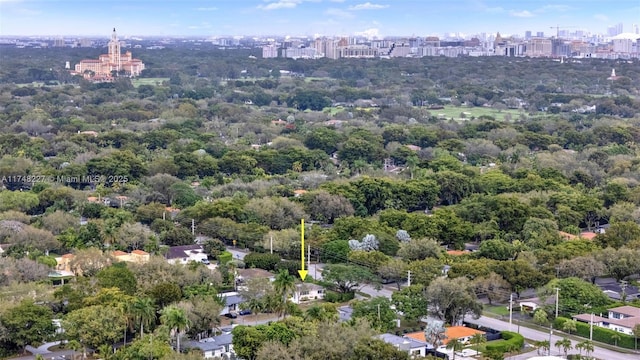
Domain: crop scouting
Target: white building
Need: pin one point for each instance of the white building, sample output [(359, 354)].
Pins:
[(307, 292), (186, 253), (622, 319)]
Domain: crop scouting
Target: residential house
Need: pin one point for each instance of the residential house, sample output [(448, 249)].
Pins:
[(307, 292), (220, 346), (622, 319), (242, 275), (136, 256), (462, 333), (415, 348), (185, 253), (233, 300), (617, 291), (63, 262)]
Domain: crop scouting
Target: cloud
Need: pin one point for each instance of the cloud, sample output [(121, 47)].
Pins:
[(494, 10), (521, 14), (552, 8), (368, 6), (369, 33), (338, 13), (338, 1), (207, 9), (282, 4), (601, 17)]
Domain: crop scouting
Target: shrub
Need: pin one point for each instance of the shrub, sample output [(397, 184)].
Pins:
[(262, 261), (599, 333), (512, 340), (334, 297), (225, 257), (291, 266)]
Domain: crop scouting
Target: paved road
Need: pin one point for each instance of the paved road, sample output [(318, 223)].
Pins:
[(536, 335)]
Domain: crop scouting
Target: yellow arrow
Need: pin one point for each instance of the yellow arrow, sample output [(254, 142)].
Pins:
[(302, 272)]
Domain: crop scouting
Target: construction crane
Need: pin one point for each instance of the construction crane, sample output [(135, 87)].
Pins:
[(558, 27)]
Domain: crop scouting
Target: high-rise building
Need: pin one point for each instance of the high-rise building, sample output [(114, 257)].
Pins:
[(527, 35), (114, 62), (540, 34), (270, 51)]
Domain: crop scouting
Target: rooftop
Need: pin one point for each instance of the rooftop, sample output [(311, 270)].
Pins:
[(450, 332)]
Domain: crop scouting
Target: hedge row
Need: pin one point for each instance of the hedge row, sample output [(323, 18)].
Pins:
[(599, 334), (512, 341)]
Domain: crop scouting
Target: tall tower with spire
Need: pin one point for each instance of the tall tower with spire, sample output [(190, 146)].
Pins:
[(114, 51)]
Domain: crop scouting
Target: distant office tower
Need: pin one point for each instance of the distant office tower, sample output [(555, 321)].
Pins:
[(636, 29), (59, 42), (614, 30), (527, 35), (103, 68), (540, 34), (269, 51)]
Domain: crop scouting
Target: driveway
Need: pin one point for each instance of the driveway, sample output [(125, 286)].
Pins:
[(536, 335)]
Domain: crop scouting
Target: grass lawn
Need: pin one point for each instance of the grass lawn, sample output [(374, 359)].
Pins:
[(148, 81), (497, 309)]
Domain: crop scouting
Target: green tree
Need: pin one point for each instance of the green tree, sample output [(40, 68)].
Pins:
[(569, 326), (540, 317), (247, 341), (347, 278), (452, 299), (27, 324), (411, 302), (377, 311), (284, 285), (574, 293), (477, 340), (94, 325), (374, 349), (175, 319), (144, 312), (454, 345), (119, 276)]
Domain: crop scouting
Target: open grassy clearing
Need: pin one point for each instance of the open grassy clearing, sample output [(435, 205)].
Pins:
[(148, 81)]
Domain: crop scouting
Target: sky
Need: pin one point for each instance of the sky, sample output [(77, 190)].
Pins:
[(212, 18)]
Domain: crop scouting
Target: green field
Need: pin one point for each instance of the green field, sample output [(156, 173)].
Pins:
[(148, 81)]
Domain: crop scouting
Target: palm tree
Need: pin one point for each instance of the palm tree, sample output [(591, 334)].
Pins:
[(284, 284), (569, 326), (566, 346), (144, 312), (543, 345), (478, 339), (579, 347), (255, 305), (558, 344), (456, 345), (176, 319), (587, 345), (106, 352), (615, 337)]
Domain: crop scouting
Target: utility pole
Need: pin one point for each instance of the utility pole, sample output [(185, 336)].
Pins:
[(193, 227), (378, 312), (308, 256), (557, 297), (623, 286), (591, 328), (408, 277), (510, 310), (271, 244)]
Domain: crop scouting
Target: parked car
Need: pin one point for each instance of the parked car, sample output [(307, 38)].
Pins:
[(206, 261), (245, 312), (231, 315)]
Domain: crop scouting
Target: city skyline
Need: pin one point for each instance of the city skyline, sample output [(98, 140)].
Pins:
[(311, 17)]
